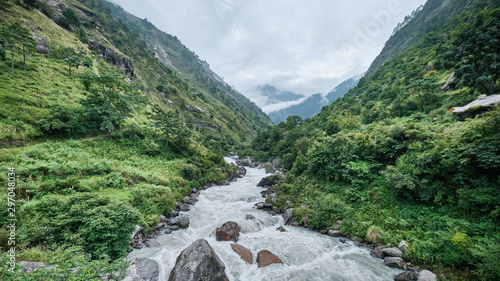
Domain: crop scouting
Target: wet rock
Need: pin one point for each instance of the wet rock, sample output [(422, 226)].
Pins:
[(287, 215), (198, 262), (334, 233), (377, 253), (243, 252), (174, 227), (168, 231), (230, 231), (152, 243), (265, 258), (247, 161), (142, 270), (403, 276), (184, 207), (137, 229), (342, 240), (426, 275), (224, 182), (181, 221), (269, 181), (392, 252), (264, 205), (250, 217), (281, 229), (138, 245), (394, 262)]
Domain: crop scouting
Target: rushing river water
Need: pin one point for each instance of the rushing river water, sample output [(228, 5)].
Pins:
[(307, 255)]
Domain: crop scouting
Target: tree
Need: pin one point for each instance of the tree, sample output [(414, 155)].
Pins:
[(475, 52), (73, 61), (31, 3), (15, 34), (170, 125)]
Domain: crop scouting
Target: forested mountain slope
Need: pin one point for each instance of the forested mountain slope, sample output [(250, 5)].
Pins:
[(391, 160), (101, 132)]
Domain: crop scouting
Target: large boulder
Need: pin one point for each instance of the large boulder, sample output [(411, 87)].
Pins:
[(269, 181), (244, 253), (426, 275), (265, 258), (392, 252), (403, 246), (230, 231), (247, 161), (377, 253), (450, 83), (482, 104), (198, 262), (181, 221), (394, 262), (142, 270)]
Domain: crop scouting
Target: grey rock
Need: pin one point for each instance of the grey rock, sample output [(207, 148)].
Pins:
[(184, 207), (287, 215), (152, 243), (392, 252), (334, 233), (168, 231), (247, 161), (29, 266), (403, 246), (483, 103), (249, 217), (426, 275), (276, 164), (181, 221), (142, 270), (229, 231), (137, 229), (450, 83), (394, 262), (377, 253), (198, 262), (403, 276)]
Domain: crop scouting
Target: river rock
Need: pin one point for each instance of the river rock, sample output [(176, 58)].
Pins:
[(244, 253), (287, 215), (334, 233), (394, 262), (265, 258), (281, 229), (142, 270), (403, 276), (250, 217), (152, 243), (137, 229), (198, 262), (264, 205), (276, 164), (247, 161), (377, 253), (184, 207), (392, 252), (403, 246), (426, 275), (269, 181), (230, 231), (181, 221)]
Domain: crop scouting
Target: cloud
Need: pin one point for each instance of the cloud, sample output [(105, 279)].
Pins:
[(305, 47)]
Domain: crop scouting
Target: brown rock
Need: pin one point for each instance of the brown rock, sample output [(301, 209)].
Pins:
[(281, 229), (230, 231), (244, 253), (250, 217), (265, 258)]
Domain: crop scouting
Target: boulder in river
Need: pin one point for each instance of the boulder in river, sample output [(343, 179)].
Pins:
[(403, 276), (181, 221), (426, 275), (198, 262), (287, 215), (334, 233), (230, 231), (152, 243), (377, 253), (142, 270), (394, 262), (249, 217), (269, 181), (392, 252), (244, 253), (265, 258)]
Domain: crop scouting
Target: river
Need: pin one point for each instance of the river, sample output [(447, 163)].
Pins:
[(307, 255)]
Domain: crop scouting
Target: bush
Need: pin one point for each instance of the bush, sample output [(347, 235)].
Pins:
[(154, 199)]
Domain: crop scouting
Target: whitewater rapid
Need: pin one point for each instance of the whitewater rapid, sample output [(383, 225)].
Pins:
[(307, 255)]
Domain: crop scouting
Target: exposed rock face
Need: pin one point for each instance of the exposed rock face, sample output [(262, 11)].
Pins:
[(482, 104), (403, 276), (287, 215), (244, 253), (394, 262), (276, 164), (450, 83), (41, 43), (230, 231), (426, 275), (198, 262), (265, 258), (142, 270), (57, 8), (29, 266), (111, 57), (392, 252)]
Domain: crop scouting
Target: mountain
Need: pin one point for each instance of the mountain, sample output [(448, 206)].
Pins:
[(313, 104), (108, 123), (275, 96)]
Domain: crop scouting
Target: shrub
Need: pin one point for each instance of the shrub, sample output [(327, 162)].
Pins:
[(373, 234)]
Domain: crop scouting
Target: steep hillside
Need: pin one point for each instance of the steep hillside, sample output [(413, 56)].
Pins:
[(101, 134), (313, 104), (389, 161)]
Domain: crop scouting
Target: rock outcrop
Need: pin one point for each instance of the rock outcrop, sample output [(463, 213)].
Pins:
[(198, 262), (230, 231), (113, 58), (265, 258), (482, 104), (142, 270)]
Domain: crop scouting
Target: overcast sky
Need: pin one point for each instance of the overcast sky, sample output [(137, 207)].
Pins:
[(303, 46)]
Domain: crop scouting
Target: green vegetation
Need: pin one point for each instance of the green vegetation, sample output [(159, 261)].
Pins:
[(102, 135), (393, 163)]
